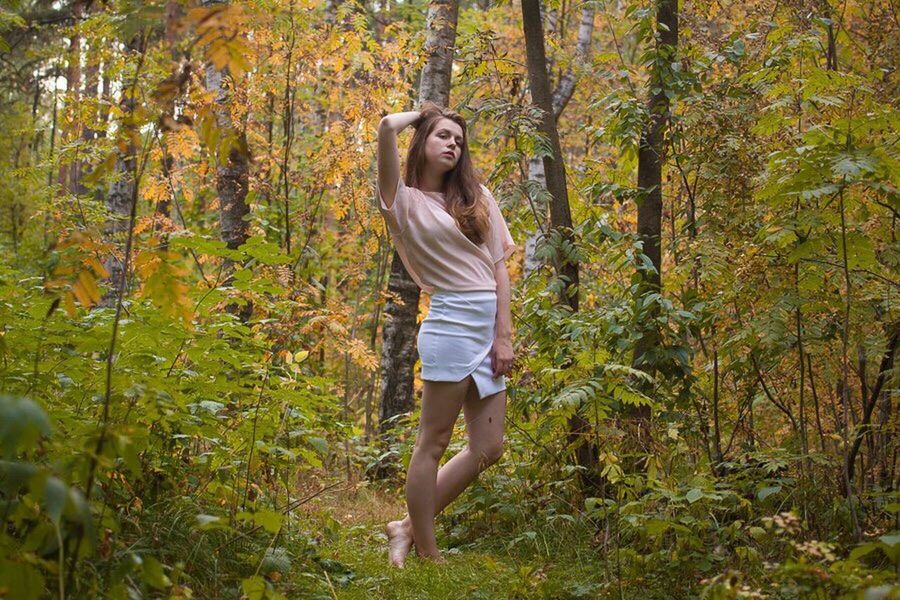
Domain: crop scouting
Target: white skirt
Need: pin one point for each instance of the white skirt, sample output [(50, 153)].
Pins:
[(456, 337)]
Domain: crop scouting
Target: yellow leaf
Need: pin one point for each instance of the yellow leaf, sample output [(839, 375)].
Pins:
[(87, 281), (69, 304), (81, 295), (98, 268)]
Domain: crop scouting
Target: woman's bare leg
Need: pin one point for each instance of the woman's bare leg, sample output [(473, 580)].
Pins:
[(485, 421), (441, 401)]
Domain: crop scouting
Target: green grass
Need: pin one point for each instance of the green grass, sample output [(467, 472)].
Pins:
[(554, 562)]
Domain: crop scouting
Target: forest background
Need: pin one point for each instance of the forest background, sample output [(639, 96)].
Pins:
[(208, 384)]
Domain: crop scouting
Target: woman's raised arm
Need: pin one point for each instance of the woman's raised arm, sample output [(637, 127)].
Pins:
[(388, 154)]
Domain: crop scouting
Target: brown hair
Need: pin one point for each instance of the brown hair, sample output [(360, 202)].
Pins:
[(462, 188)]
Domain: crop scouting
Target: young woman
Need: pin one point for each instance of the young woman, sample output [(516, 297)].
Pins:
[(452, 239)]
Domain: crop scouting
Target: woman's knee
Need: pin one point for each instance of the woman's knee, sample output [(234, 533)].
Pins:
[(487, 453), (433, 444)]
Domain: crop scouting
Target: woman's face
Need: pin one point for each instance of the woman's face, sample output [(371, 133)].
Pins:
[(444, 146)]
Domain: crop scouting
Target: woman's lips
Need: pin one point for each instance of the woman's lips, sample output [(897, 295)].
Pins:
[(450, 154)]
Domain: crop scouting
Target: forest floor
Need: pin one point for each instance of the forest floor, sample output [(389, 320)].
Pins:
[(553, 563)]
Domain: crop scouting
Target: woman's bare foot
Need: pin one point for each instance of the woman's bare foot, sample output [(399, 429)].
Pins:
[(400, 540)]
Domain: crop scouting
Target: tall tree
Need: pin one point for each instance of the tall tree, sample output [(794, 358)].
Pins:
[(565, 87), (398, 351), (649, 206), (560, 215), (232, 171), (67, 171), (121, 192)]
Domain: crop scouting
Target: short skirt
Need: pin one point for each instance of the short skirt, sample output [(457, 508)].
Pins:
[(456, 338)]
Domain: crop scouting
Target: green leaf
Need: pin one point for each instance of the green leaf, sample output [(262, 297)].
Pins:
[(254, 587), (210, 247), (81, 511), (768, 491), (861, 551), (656, 526), (15, 475), (128, 451), (268, 519), (694, 495), (265, 251), (55, 494), (154, 575), (889, 545), (320, 444), (22, 422), (811, 247), (860, 252), (851, 166), (21, 581)]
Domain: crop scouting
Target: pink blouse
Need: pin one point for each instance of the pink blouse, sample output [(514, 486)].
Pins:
[(435, 252)]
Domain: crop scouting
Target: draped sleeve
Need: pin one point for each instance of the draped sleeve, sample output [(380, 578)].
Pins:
[(500, 243), (397, 216)]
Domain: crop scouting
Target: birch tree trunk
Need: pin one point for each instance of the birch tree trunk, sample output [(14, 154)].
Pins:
[(121, 192), (88, 122), (398, 351), (232, 173), (73, 93)]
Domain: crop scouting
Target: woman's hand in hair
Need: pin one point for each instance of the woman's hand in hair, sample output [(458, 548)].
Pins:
[(397, 122), (388, 155)]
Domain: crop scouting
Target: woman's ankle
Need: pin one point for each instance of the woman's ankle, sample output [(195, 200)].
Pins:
[(431, 555)]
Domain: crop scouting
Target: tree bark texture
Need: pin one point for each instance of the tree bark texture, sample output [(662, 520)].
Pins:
[(121, 192), (398, 351), (649, 217), (561, 96), (232, 173)]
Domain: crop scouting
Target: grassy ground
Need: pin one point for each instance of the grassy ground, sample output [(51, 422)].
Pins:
[(555, 563)]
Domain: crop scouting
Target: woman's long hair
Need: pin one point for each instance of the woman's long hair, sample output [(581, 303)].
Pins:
[(462, 188)]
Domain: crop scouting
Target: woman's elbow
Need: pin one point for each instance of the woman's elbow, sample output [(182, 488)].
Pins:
[(384, 125), (501, 274)]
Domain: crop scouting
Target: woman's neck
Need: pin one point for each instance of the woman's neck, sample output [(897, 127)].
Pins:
[(432, 183)]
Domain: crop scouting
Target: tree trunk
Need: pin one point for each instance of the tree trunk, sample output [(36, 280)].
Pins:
[(649, 217), (73, 90), (870, 402), (398, 351), (121, 191), (441, 23), (579, 434), (89, 122), (232, 174), (174, 13), (561, 96)]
